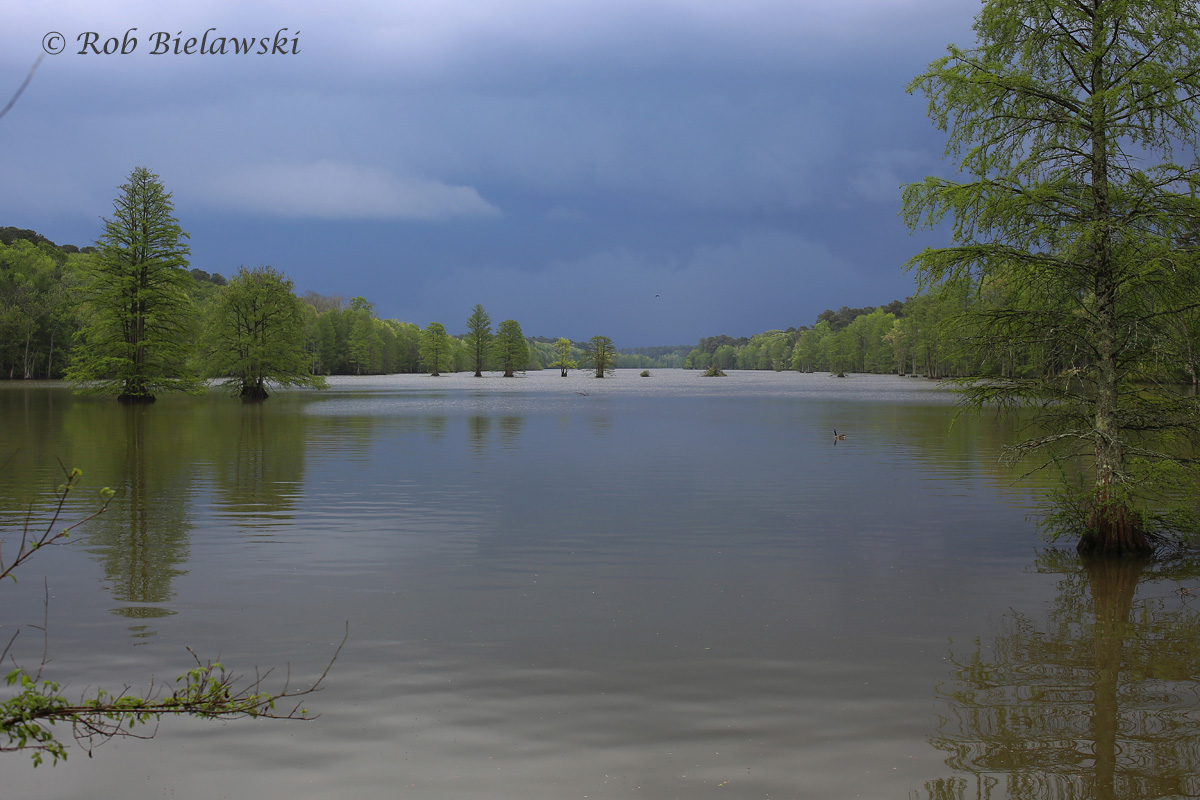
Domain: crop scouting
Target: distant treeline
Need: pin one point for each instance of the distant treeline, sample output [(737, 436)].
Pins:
[(931, 335), (905, 337), (41, 311)]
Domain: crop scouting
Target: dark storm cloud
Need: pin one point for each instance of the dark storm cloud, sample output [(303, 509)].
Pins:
[(747, 155)]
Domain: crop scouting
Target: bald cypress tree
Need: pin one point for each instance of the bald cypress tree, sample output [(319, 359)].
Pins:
[(1067, 119), (600, 354), (138, 331), (255, 335), (510, 351), (479, 339), (435, 349)]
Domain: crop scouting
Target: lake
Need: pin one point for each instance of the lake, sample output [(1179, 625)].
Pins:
[(662, 587)]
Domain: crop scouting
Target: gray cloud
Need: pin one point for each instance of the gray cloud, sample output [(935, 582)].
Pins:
[(333, 190), (746, 155)]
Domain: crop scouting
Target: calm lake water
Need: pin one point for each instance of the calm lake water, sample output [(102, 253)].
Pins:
[(664, 587)]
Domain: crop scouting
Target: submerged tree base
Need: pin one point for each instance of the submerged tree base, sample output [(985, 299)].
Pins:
[(714, 372), (1114, 530), (135, 399), (254, 393)]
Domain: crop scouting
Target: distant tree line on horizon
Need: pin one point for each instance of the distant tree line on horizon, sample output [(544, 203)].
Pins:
[(928, 334), (937, 334), (42, 313)]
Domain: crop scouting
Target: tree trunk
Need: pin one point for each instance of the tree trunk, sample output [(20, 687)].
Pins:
[(254, 391), (1114, 528)]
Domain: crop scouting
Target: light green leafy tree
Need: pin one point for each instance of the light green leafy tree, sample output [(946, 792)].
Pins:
[(600, 355), (138, 332), (809, 353), (1067, 117), (562, 356), (255, 335)]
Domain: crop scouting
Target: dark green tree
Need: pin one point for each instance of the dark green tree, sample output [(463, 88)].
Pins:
[(255, 335), (436, 354), (600, 354), (138, 332), (509, 349), (1066, 117), (479, 339)]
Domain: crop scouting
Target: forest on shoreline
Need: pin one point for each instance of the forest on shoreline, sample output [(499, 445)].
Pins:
[(927, 334)]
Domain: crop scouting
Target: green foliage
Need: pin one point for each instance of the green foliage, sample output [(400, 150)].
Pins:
[(478, 340), (665, 357), (207, 691), (255, 335), (436, 352), (38, 284), (352, 341), (1076, 225), (600, 355), (510, 351), (32, 541), (138, 333), (562, 357)]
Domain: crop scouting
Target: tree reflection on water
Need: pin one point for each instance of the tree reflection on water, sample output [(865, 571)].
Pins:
[(1097, 700)]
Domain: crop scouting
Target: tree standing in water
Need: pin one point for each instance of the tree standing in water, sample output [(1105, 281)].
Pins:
[(600, 354), (435, 349), (509, 348), (1066, 116), (255, 335), (564, 362), (138, 333), (479, 338)]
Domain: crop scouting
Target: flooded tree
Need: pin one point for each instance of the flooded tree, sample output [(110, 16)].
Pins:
[(255, 335), (479, 338), (600, 354), (1066, 117), (563, 360), (435, 349), (510, 351), (137, 334)]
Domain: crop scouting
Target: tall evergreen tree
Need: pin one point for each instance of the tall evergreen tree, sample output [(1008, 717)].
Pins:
[(1066, 116), (479, 339), (509, 348), (436, 354), (138, 332)]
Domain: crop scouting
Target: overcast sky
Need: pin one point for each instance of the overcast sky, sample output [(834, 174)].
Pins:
[(561, 162)]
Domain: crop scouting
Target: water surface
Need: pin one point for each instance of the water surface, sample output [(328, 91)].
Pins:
[(632, 587)]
